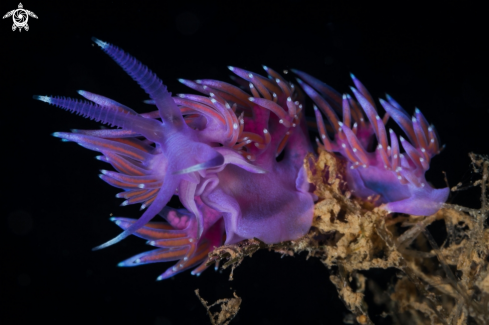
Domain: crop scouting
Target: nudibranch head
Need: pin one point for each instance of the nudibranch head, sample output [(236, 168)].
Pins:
[(381, 174), (217, 153)]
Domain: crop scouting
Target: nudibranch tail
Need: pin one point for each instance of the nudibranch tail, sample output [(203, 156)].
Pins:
[(216, 152), (381, 174)]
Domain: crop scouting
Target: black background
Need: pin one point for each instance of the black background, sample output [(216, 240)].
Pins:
[(55, 208)]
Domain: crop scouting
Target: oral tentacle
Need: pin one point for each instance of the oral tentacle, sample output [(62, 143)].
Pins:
[(151, 129)]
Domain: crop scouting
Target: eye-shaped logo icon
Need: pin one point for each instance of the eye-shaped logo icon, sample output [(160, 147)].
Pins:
[(20, 17)]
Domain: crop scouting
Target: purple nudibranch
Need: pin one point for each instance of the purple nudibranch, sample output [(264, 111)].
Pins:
[(218, 154)]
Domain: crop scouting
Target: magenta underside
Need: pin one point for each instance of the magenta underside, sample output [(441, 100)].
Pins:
[(218, 154)]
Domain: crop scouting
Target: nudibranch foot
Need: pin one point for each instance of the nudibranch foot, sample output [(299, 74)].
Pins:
[(421, 203)]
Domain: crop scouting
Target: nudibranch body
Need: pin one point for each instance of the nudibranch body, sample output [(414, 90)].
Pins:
[(384, 175), (217, 153)]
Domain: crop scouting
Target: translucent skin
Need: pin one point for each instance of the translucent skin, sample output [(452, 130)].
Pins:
[(265, 212), (383, 175), (217, 153)]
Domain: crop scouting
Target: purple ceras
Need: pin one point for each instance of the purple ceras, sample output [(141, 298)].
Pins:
[(382, 175)]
